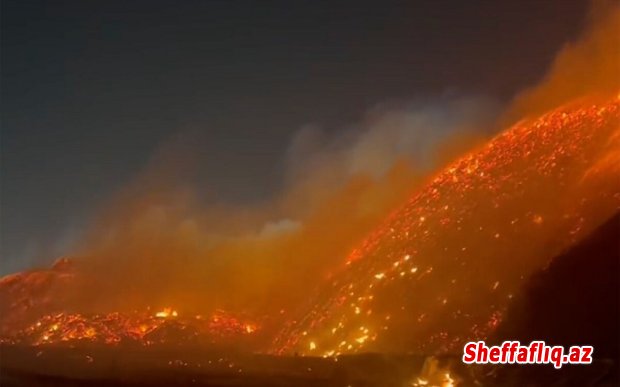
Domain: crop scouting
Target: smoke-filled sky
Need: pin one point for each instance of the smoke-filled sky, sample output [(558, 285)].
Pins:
[(251, 95)]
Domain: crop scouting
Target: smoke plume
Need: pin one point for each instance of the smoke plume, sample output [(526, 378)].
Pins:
[(590, 65), (158, 243)]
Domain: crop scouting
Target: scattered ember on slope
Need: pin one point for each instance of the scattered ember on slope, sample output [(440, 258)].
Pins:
[(441, 270), (33, 310), (28, 295), (163, 327)]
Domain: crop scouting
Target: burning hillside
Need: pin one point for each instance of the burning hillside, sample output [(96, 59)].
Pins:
[(34, 313), (442, 269), (264, 242), (164, 327)]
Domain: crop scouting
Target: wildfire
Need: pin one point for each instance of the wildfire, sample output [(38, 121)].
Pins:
[(429, 278), (140, 328), (439, 271), (167, 312), (33, 313)]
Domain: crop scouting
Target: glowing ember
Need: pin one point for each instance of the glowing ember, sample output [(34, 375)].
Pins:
[(33, 313), (141, 328), (442, 269), (167, 312)]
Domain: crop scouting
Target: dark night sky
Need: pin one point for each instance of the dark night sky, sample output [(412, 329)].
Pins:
[(91, 88)]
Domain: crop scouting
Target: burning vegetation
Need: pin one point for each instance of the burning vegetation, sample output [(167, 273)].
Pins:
[(440, 271), (163, 327), (35, 313), (443, 268)]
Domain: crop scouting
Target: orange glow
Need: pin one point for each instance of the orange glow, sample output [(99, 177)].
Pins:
[(450, 260), (117, 328), (439, 271), (166, 312)]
